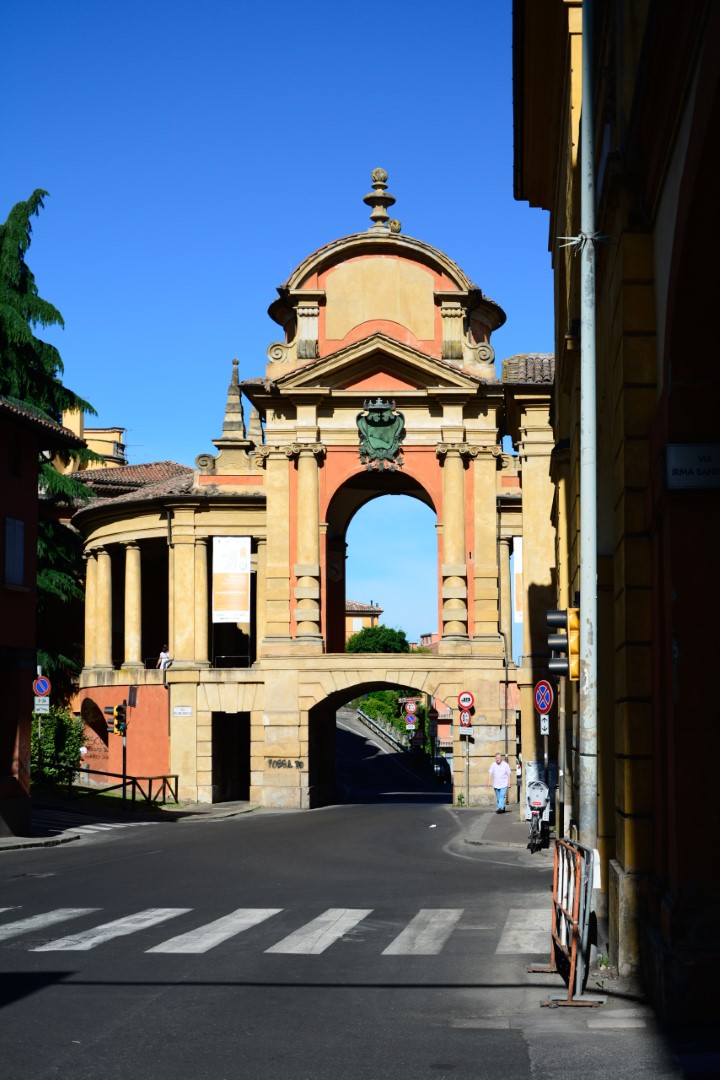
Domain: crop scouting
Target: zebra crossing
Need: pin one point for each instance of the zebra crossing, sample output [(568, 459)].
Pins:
[(524, 931), (53, 823)]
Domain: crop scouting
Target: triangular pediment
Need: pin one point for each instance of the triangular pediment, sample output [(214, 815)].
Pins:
[(378, 364)]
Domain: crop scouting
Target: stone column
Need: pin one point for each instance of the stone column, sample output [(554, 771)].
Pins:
[(276, 615), (201, 601), (486, 615), (90, 604), (182, 648), (171, 600), (103, 610), (454, 568), (307, 568), (133, 606)]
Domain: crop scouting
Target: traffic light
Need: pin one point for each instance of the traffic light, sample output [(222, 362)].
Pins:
[(120, 719), (110, 718), (567, 642)]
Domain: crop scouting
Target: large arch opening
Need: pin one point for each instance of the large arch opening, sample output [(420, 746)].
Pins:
[(350, 762), (396, 490)]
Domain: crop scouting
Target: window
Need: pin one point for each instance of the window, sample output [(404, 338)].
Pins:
[(14, 551)]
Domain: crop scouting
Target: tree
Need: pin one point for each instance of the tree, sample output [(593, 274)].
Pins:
[(30, 371), (56, 740), (378, 639)]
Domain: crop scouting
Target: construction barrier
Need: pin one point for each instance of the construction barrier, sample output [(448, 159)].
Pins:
[(573, 881)]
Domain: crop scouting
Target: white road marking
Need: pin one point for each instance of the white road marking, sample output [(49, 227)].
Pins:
[(316, 936), (214, 933), (39, 922), (130, 924), (526, 931), (426, 934)]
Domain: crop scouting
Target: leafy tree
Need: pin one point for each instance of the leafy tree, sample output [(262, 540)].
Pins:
[(378, 639), (55, 744), (30, 371)]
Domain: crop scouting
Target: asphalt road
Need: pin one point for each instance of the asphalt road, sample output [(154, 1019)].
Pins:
[(364, 941)]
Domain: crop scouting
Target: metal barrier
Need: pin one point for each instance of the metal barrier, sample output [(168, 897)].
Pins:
[(384, 730), (573, 873), (168, 785)]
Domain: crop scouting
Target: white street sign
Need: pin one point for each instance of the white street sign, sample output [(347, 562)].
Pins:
[(42, 705)]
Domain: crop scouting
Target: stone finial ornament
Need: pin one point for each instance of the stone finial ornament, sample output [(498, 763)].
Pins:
[(234, 423), (380, 199)]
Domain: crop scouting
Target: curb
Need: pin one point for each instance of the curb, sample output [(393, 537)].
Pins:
[(29, 843)]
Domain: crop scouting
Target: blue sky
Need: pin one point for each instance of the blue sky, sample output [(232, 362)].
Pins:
[(196, 153)]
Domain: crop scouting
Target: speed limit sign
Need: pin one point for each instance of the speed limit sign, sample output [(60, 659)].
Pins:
[(466, 699)]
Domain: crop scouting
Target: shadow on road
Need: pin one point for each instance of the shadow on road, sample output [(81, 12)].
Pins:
[(367, 774)]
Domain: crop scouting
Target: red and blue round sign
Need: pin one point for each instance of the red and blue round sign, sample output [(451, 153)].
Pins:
[(41, 686), (544, 696)]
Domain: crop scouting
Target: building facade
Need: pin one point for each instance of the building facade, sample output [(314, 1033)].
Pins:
[(24, 434), (655, 85), (383, 382)]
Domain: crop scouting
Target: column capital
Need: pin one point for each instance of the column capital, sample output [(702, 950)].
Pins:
[(289, 451), (464, 449)]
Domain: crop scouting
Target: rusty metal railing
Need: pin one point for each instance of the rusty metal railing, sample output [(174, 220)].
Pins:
[(569, 933), (168, 786)]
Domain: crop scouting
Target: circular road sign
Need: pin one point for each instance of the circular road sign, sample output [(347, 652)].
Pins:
[(42, 686), (465, 718), (543, 696), (466, 700), (410, 706)]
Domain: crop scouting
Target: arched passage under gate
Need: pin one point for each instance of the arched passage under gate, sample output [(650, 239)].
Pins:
[(322, 744)]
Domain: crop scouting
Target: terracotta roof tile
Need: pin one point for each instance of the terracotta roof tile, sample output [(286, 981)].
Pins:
[(36, 418), (529, 368)]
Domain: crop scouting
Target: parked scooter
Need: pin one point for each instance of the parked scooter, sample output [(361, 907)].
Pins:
[(538, 801)]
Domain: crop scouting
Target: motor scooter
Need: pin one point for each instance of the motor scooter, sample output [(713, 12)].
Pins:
[(538, 813)]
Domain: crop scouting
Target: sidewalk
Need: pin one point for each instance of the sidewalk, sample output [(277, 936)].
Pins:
[(86, 808), (485, 826)]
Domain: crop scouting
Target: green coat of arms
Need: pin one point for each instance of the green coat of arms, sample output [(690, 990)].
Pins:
[(381, 429)]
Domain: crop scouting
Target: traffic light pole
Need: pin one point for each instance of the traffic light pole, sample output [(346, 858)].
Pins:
[(124, 765), (588, 772)]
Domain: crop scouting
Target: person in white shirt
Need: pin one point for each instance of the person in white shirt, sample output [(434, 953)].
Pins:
[(499, 773), (163, 658)]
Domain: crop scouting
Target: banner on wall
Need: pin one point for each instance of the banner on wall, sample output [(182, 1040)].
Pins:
[(231, 579), (518, 592)]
